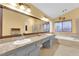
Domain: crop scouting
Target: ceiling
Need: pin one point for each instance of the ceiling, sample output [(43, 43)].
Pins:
[(56, 9)]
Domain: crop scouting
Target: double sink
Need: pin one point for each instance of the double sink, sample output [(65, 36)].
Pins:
[(23, 41)]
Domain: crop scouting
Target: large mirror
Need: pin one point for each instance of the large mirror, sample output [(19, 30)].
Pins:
[(14, 23)]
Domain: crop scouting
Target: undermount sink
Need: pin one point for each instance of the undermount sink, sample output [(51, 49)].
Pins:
[(23, 41)]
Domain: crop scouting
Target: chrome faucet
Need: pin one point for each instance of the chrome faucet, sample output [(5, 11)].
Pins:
[(21, 37)]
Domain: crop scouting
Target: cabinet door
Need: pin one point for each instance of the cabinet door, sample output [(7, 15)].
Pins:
[(22, 51), (35, 52), (18, 52)]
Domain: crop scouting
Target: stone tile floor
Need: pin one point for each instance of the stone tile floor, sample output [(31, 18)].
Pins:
[(59, 50)]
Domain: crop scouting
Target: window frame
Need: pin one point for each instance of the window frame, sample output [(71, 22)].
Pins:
[(62, 25), (54, 26), (70, 28)]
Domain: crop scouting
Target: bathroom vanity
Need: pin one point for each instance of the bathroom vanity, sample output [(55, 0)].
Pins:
[(27, 47)]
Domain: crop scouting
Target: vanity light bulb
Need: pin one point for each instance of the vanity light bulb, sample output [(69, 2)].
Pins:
[(28, 10), (45, 19), (22, 7)]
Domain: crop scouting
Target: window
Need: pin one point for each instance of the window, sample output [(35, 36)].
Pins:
[(65, 26), (58, 27)]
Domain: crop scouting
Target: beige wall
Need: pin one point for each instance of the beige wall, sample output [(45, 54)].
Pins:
[(72, 15), (13, 19)]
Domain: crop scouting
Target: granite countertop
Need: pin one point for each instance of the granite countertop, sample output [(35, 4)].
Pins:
[(8, 46)]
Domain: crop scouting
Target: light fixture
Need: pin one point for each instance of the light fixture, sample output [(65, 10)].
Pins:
[(25, 9), (62, 18), (28, 10), (22, 7), (16, 9), (45, 19)]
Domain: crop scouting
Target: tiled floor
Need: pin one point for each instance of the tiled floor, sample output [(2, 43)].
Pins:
[(49, 51), (59, 50), (66, 51)]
